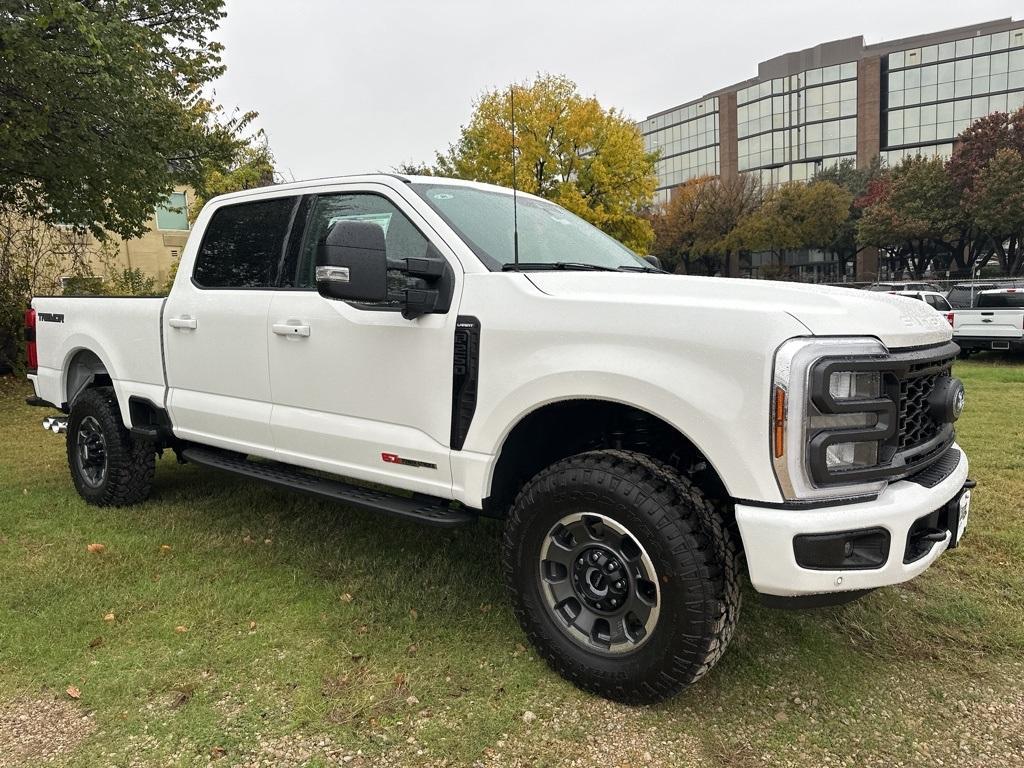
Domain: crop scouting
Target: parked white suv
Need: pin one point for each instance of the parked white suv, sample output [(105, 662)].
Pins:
[(641, 434)]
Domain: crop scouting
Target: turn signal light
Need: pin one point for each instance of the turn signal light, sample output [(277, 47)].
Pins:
[(779, 423)]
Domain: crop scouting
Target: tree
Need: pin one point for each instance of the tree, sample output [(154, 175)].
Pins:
[(102, 110), (252, 167), (34, 257), (975, 148), (912, 214), (995, 200), (569, 149), (856, 181), (793, 216), (692, 229), (979, 142)]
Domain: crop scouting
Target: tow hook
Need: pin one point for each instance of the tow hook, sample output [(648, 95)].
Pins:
[(56, 424)]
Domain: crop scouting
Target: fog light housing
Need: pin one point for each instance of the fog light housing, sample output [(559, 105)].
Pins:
[(861, 549)]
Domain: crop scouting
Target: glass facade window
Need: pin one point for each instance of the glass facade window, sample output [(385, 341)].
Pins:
[(173, 214), (935, 92), (687, 140), (803, 123)]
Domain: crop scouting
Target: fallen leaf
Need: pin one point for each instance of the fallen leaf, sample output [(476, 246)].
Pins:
[(411, 650), (218, 752), (96, 642), (252, 625), (108, 617), (179, 699), (97, 549), (181, 628), (412, 701), (247, 539), (363, 629), (413, 614), (346, 598), (268, 541), (73, 692), (165, 547), (485, 608)]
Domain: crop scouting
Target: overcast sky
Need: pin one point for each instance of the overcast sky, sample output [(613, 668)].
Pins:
[(349, 87)]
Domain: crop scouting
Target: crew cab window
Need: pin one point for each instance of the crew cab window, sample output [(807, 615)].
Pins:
[(402, 237), (1001, 300), (938, 303), (243, 244)]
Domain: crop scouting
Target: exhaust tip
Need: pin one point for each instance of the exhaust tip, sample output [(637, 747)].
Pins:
[(56, 424)]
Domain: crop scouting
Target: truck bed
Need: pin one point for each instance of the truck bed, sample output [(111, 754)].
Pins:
[(127, 328)]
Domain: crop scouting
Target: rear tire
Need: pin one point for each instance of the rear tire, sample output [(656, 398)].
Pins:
[(669, 555), (109, 465)]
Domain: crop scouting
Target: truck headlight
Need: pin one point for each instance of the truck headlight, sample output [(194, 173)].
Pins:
[(830, 417)]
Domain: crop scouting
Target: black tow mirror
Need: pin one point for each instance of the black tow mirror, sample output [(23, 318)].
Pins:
[(653, 260), (352, 263)]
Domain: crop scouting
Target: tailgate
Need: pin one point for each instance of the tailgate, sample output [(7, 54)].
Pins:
[(990, 323)]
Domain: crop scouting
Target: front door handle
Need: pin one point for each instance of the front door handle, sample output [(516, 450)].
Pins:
[(288, 329), (185, 322)]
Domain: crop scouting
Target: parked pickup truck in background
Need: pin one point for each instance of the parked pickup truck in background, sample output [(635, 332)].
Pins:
[(996, 322), (646, 438)]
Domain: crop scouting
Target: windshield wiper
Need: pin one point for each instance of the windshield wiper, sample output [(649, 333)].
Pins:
[(638, 268), (570, 265)]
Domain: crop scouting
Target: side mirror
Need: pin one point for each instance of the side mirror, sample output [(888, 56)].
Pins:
[(352, 263), (653, 260)]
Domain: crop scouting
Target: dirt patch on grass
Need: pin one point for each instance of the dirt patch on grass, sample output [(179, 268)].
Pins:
[(40, 731)]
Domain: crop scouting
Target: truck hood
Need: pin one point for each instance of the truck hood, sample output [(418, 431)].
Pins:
[(897, 321)]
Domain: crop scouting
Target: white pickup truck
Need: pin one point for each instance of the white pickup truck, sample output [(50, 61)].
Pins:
[(996, 321), (646, 438)]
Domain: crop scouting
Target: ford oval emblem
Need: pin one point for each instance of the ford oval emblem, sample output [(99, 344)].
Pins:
[(958, 402)]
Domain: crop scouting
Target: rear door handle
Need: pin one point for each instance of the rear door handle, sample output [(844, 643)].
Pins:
[(288, 329), (185, 322)]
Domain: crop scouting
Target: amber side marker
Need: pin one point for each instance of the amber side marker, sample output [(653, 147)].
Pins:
[(779, 431)]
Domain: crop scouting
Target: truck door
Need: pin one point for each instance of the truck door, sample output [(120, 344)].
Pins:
[(214, 327), (359, 390)]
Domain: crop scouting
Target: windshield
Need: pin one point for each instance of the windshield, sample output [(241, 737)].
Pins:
[(548, 234)]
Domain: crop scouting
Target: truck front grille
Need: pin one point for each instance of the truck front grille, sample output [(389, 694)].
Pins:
[(916, 425)]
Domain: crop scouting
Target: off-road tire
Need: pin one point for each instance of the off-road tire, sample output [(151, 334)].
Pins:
[(696, 558), (131, 460)]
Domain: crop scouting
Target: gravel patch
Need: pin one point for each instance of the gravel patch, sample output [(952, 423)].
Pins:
[(40, 731)]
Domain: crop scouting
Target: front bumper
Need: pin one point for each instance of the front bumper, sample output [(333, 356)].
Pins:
[(768, 535)]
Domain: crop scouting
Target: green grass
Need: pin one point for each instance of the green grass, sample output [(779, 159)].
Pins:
[(308, 621)]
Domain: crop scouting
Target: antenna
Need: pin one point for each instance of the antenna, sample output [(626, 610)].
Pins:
[(515, 201)]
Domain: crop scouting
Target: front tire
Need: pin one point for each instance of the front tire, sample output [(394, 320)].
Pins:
[(109, 465), (622, 575)]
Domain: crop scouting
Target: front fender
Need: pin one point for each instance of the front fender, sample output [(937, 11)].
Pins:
[(724, 414)]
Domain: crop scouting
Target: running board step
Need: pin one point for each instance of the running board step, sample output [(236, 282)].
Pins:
[(422, 509)]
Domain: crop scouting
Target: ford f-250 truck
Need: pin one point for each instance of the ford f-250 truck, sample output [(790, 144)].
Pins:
[(647, 438)]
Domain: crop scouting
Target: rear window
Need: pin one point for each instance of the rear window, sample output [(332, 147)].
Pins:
[(960, 295), (243, 245), (1002, 300)]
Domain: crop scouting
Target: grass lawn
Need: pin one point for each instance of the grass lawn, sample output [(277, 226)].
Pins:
[(228, 622)]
